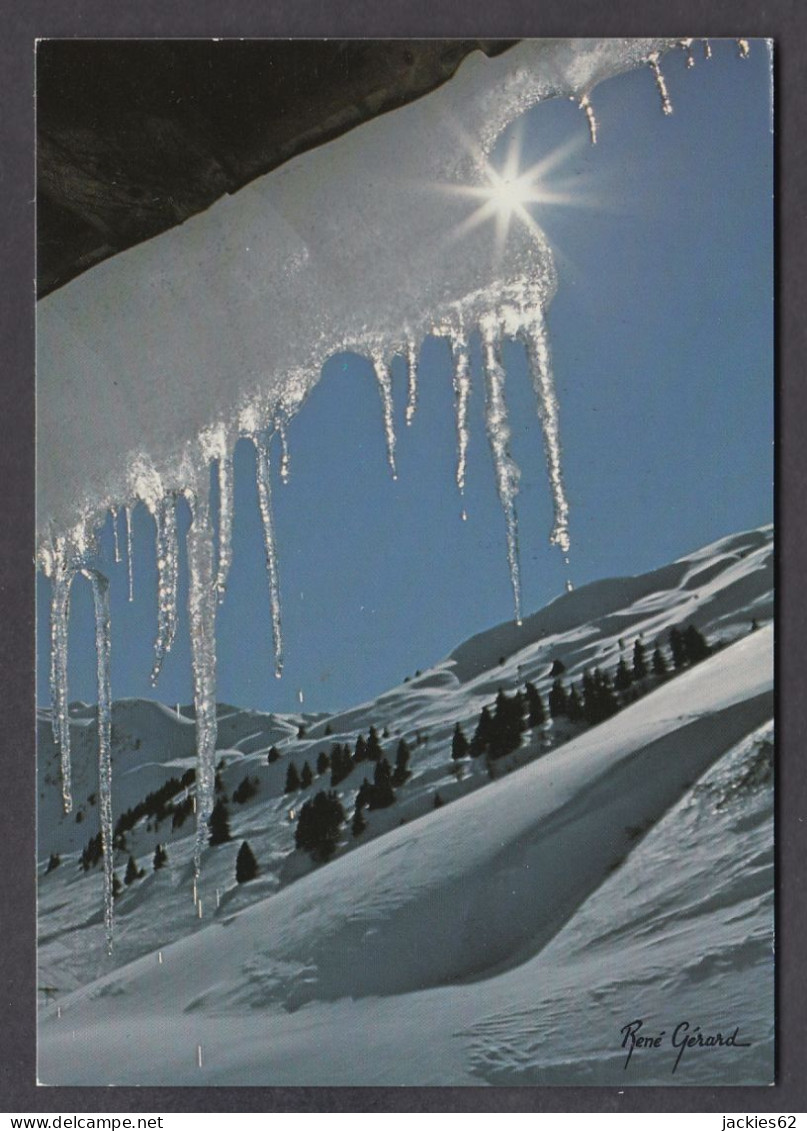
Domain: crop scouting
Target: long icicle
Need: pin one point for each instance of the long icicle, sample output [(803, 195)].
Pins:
[(62, 575), (412, 379), (666, 104), (588, 110), (507, 472), (537, 346), (285, 458), (384, 380), (224, 466), (129, 563), (116, 540), (165, 518), (462, 392), (100, 596), (264, 481), (202, 605)]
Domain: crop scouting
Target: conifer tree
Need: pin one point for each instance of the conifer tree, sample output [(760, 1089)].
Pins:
[(359, 824), (401, 763), (360, 754), (438, 801), (132, 872), (219, 824), (678, 649), (482, 734), (273, 755), (319, 825), (246, 866), (639, 660), (536, 714), (624, 677), (660, 668), (54, 862), (160, 857), (574, 706), (292, 779), (695, 645), (323, 762), (307, 776), (459, 744), (374, 751), (558, 668), (557, 700)]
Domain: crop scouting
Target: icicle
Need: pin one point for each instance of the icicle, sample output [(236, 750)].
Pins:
[(264, 480), (666, 104), (462, 392), (745, 48), (100, 596), (707, 49), (226, 492), (285, 459), (687, 46), (537, 344), (384, 379), (128, 511), (507, 472), (202, 618), (62, 576), (588, 110), (114, 512), (165, 517), (412, 390)]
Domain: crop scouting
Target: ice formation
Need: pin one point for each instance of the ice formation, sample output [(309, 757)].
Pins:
[(167, 552), (219, 329)]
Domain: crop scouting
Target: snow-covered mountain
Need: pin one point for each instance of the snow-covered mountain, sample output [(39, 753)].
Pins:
[(611, 873)]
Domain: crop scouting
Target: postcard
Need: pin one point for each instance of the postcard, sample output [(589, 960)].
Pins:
[(405, 562)]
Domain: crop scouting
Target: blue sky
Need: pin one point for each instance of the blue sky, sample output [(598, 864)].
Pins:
[(662, 343)]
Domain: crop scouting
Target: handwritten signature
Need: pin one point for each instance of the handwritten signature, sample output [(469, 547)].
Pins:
[(683, 1037)]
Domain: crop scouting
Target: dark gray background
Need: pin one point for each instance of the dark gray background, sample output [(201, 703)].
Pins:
[(786, 22)]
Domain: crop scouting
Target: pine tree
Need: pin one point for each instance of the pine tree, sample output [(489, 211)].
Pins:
[(323, 762), (678, 649), (459, 744), (374, 751), (359, 824), (246, 866), (660, 668), (624, 677), (401, 763), (438, 801), (117, 886), (383, 794), (482, 734), (319, 825), (360, 753), (536, 714), (639, 660), (219, 824), (307, 776), (292, 779), (574, 706), (273, 755), (54, 862), (695, 644), (160, 857), (132, 872), (558, 668), (557, 700)]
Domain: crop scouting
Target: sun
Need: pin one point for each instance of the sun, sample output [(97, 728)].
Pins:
[(507, 193)]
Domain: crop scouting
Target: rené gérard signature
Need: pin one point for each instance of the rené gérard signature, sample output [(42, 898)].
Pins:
[(683, 1038)]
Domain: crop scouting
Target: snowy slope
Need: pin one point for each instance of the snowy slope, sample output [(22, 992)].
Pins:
[(520, 927)]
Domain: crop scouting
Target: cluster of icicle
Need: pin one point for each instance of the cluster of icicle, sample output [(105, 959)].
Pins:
[(208, 563)]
